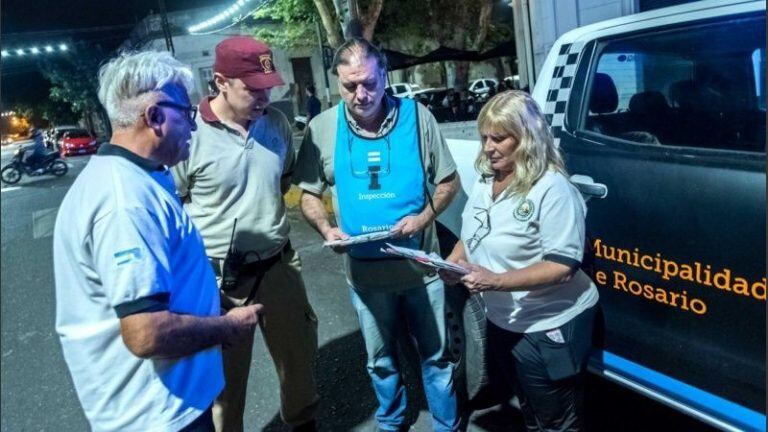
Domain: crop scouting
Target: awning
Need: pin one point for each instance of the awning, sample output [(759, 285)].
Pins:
[(398, 60)]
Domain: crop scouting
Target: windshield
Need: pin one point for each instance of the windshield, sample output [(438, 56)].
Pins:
[(78, 134)]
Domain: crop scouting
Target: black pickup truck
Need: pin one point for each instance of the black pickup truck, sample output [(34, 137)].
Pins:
[(661, 117)]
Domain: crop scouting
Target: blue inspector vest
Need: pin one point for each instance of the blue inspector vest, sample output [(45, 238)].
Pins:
[(379, 180)]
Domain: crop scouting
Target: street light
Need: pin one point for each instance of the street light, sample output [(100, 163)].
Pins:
[(34, 50), (5, 53), (20, 52), (230, 13), (48, 49), (63, 47)]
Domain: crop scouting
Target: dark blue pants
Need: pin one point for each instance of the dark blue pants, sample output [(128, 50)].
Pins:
[(204, 423), (546, 375)]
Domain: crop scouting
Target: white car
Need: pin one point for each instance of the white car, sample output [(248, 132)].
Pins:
[(482, 86), (513, 80), (408, 90)]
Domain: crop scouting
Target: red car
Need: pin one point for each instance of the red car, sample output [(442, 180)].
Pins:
[(77, 142)]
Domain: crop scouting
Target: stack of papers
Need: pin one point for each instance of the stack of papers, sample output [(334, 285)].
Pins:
[(432, 259), (363, 238)]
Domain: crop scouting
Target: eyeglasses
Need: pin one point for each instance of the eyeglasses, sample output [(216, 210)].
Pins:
[(190, 110), (483, 217)]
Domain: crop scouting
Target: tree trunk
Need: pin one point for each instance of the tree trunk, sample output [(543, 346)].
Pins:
[(450, 73), (88, 117), (371, 18), (499, 66), (330, 23), (345, 16), (484, 23), (461, 79)]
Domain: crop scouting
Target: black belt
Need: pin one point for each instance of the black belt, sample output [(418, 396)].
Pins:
[(254, 267)]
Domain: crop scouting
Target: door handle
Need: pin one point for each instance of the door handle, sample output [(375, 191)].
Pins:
[(588, 188)]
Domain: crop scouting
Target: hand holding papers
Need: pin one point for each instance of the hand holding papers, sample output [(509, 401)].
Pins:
[(432, 260), (359, 239)]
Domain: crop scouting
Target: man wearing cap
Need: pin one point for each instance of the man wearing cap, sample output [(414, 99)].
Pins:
[(241, 160)]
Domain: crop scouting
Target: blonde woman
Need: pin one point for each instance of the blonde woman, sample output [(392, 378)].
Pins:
[(522, 238)]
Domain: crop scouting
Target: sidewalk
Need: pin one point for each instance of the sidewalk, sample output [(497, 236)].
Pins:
[(293, 199)]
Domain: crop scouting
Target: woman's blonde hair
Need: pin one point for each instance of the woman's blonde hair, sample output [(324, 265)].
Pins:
[(514, 113)]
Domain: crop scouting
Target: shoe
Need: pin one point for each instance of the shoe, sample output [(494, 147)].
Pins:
[(310, 426)]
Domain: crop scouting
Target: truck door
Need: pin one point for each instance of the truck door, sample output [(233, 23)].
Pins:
[(672, 121)]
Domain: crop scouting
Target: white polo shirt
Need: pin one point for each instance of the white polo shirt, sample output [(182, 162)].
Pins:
[(123, 244), (514, 232)]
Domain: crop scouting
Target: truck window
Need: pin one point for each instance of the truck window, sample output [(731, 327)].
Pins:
[(701, 86)]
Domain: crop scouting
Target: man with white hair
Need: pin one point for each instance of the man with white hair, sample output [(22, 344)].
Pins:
[(137, 307)]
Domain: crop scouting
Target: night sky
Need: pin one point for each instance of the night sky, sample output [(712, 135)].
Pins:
[(20, 79)]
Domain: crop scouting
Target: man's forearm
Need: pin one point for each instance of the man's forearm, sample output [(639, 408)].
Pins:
[(444, 193), (169, 335), (314, 212)]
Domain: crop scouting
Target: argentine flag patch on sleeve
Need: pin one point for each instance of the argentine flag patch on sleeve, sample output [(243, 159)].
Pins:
[(128, 256)]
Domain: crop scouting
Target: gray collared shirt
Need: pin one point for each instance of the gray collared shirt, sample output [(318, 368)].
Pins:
[(389, 120), (230, 176)]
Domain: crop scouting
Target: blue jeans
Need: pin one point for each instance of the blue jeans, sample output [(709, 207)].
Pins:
[(381, 314)]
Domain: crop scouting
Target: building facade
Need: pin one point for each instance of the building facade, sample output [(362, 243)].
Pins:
[(299, 67)]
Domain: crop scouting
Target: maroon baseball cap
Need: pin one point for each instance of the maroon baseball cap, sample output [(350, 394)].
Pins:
[(248, 59)]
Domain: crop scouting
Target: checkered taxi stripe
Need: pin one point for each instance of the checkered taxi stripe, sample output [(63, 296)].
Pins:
[(560, 87)]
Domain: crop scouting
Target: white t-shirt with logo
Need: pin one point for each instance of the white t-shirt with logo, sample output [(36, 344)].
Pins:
[(123, 244), (515, 232)]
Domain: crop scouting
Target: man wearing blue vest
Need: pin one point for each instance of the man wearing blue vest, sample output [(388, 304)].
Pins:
[(377, 154)]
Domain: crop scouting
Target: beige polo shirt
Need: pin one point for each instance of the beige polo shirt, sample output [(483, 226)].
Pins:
[(230, 176), (314, 173)]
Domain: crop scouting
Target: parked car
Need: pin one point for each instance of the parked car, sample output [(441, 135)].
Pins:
[(513, 82), (403, 90), (432, 97), (77, 142), (481, 87), (660, 117)]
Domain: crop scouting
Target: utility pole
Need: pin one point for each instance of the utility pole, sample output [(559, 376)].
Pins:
[(166, 27), (326, 63)]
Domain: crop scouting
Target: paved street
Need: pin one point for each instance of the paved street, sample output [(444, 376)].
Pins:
[(37, 393)]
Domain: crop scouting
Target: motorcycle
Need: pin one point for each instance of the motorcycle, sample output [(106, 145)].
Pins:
[(50, 164)]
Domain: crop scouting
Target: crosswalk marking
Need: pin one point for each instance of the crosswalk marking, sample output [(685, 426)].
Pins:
[(43, 222)]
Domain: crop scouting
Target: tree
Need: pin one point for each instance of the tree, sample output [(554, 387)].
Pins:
[(56, 112), (415, 27), (292, 23), (463, 25), (74, 81), (355, 20), (296, 19)]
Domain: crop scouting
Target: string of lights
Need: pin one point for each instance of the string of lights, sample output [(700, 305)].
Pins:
[(35, 50), (229, 16)]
